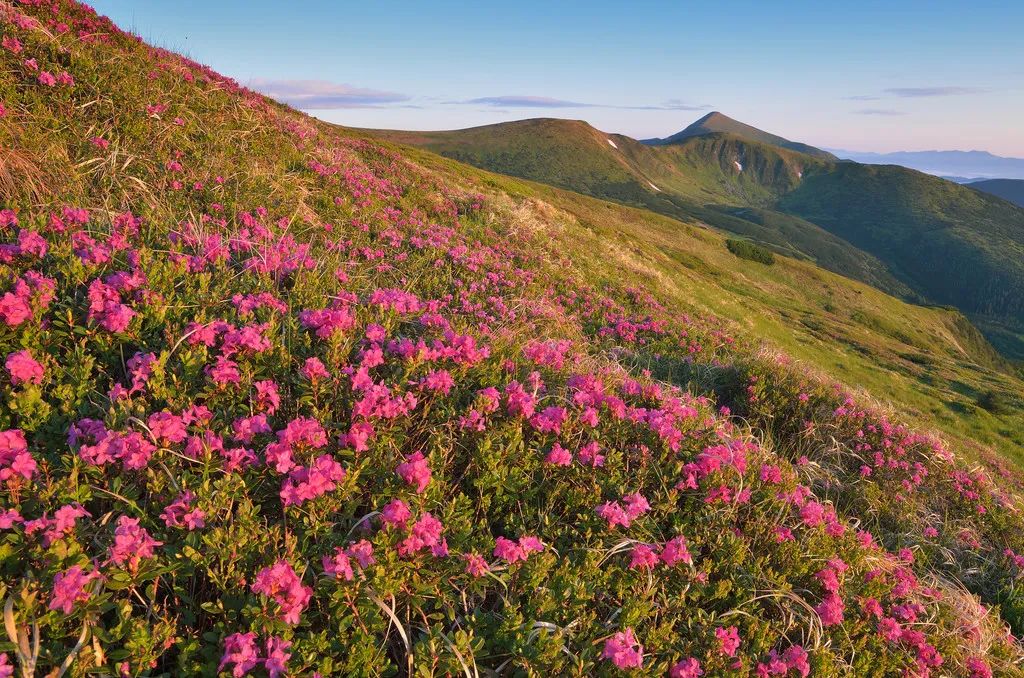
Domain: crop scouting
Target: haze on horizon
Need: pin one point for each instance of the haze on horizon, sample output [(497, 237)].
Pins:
[(877, 77)]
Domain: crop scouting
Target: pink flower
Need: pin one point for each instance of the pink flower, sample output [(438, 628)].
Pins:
[(15, 459), (425, 533), (613, 512), (795, 658), (224, 372), (636, 505), (313, 369), (978, 668), (277, 657), (46, 78), (476, 566), (728, 640), (70, 587), (11, 44), (280, 583), (167, 427), (338, 565), (131, 543), (675, 551), (771, 474), (31, 243), (362, 552), (22, 368), (267, 397), (687, 668), (180, 513), (438, 381), (240, 650), (831, 610), (512, 552), (623, 650), (415, 471), (396, 513), (558, 456), (643, 557), (303, 483)]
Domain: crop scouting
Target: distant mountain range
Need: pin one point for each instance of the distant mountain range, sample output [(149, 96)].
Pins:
[(907, 233), (956, 165)]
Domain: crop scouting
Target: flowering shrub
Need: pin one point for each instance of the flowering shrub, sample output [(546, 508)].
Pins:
[(305, 407)]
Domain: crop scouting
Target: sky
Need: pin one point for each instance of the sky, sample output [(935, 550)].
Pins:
[(866, 76)]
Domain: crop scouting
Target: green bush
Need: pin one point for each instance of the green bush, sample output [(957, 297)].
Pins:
[(744, 249)]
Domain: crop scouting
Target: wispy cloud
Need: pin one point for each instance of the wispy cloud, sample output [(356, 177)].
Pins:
[(863, 97), (529, 101), (680, 105), (915, 92), (516, 101), (323, 94), (878, 111)]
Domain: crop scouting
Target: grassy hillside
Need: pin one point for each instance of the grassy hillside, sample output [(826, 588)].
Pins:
[(281, 401), (907, 233), (930, 360), (1007, 189), (954, 245), (706, 177)]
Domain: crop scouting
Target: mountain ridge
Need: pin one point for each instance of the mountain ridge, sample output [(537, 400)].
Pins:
[(716, 122)]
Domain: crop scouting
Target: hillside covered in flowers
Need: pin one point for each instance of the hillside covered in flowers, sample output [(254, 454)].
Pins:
[(277, 400)]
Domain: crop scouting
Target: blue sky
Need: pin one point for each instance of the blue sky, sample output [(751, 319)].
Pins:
[(872, 76)]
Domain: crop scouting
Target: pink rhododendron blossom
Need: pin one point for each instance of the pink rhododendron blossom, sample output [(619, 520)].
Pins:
[(624, 650), (643, 557), (558, 456), (70, 587), (415, 471), (305, 483), (476, 565), (241, 652), (396, 513), (181, 513), (686, 668), (728, 640), (15, 459), (23, 369), (132, 543), (280, 582), (276, 659), (314, 370)]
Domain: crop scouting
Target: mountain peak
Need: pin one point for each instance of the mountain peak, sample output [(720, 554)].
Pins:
[(717, 122)]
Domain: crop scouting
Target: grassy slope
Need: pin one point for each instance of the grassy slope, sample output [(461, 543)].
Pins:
[(929, 360), (697, 178), (1007, 189), (888, 226), (237, 196), (955, 245)]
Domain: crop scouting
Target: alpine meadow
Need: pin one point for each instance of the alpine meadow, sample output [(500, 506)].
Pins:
[(287, 396)]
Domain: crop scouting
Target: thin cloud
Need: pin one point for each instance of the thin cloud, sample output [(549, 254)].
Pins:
[(680, 105), (863, 97), (916, 92), (524, 102), (878, 111), (323, 94), (529, 101)]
